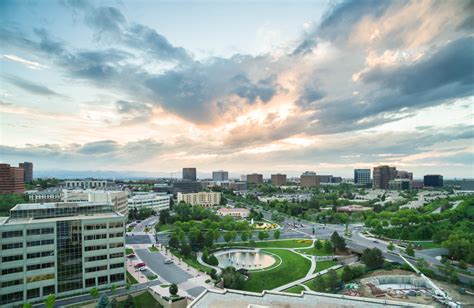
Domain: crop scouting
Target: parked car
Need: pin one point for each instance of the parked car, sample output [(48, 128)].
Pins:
[(132, 255), (141, 264), (142, 269), (168, 261)]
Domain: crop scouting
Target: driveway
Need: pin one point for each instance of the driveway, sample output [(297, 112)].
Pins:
[(169, 272)]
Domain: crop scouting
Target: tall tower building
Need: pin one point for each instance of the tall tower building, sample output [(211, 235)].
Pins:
[(189, 174), (255, 178), (278, 179), (433, 180), (362, 176), (309, 179), (11, 180), (383, 175), (27, 171), (220, 176)]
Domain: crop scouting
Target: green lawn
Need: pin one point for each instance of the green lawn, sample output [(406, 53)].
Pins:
[(193, 262), (315, 252), (131, 279), (128, 251), (293, 267), (165, 227), (275, 244), (296, 289), (143, 300), (153, 249), (151, 277), (322, 265)]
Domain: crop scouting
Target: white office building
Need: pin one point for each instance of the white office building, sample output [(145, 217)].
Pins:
[(60, 248), (84, 184), (206, 199), (118, 198), (156, 201)]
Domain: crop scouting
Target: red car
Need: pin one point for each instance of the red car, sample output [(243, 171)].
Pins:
[(141, 264), (131, 256)]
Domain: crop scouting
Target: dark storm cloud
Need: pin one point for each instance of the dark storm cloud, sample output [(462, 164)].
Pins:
[(31, 87)]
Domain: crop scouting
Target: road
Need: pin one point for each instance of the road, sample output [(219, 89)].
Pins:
[(149, 221)]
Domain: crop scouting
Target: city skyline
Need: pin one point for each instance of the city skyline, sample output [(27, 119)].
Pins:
[(266, 88)]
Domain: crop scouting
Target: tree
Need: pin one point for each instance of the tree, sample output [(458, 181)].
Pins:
[(332, 280), (244, 236), (276, 234), (231, 278), (173, 289), (328, 246), (165, 217), (463, 265), (129, 302), (347, 274), (213, 274), (318, 244), (114, 303), (50, 300), (94, 292), (103, 301), (373, 258), (263, 235), (338, 241), (185, 250), (410, 251), (27, 305), (227, 237), (390, 246), (212, 260), (113, 288), (320, 284), (174, 241)]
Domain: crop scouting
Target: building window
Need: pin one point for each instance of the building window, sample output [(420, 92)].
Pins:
[(11, 297), (48, 290), (39, 243), (96, 269), (39, 278), (96, 258), (115, 245), (12, 283), (116, 265), (90, 282), (116, 255), (96, 227), (95, 247), (12, 258), (12, 270), (32, 293), (9, 234), (96, 237), (117, 277), (69, 255), (12, 246), (103, 280), (116, 225), (40, 266)]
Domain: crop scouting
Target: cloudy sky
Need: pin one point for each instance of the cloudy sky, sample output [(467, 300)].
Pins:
[(267, 86)]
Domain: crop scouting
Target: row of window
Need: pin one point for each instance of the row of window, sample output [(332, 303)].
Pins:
[(39, 243), (40, 231), (103, 257), (116, 225), (12, 258), (9, 234), (100, 247), (90, 282), (40, 254), (96, 236), (12, 283), (12, 270), (12, 246), (96, 227), (112, 235), (39, 266), (96, 269), (31, 293), (39, 278)]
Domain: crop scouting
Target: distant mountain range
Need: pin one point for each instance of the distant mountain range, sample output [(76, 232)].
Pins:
[(99, 174)]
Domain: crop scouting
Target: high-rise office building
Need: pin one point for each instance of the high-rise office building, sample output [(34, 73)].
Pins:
[(206, 199), (433, 180), (27, 171), (362, 176), (404, 175), (61, 249), (309, 179), (117, 198), (278, 179), (11, 180), (189, 174), (400, 184), (186, 187), (382, 175), (220, 175), (255, 178), (325, 178)]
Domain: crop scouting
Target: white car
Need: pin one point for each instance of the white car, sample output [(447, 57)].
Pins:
[(168, 261), (142, 269)]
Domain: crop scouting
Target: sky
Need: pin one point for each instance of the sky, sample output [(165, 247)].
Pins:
[(244, 86)]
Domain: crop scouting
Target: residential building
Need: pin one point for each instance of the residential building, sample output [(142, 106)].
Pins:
[(405, 175), (309, 179), (61, 249), (155, 201), (306, 299), (85, 184), (362, 176), (118, 198), (382, 175), (186, 187), (433, 180), (234, 212), (11, 180), (399, 184), (206, 199), (189, 174), (46, 195), (278, 179), (324, 178), (254, 178), (220, 176), (27, 171)]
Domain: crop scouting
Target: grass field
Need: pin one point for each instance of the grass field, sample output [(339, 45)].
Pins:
[(128, 251), (293, 267), (310, 283), (153, 249), (296, 289), (131, 279), (322, 265), (315, 252), (426, 245), (143, 300), (193, 262), (165, 227)]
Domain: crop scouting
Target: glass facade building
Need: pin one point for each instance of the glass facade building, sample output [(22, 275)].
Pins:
[(56, 249)]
